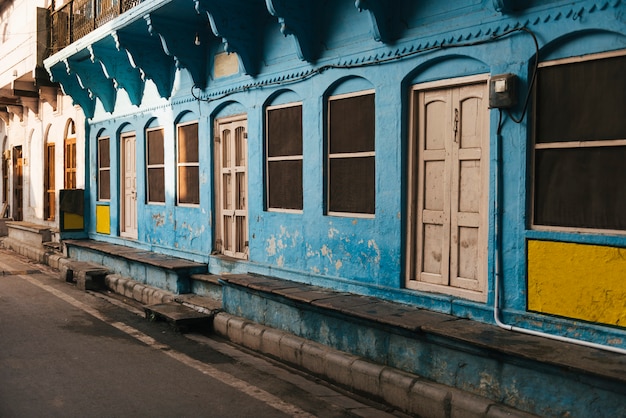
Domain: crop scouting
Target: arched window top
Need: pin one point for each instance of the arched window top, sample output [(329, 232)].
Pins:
[(283, 97), (70, 128), (349, 85)]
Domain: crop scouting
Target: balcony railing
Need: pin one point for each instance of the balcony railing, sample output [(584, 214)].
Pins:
[(77, 18)]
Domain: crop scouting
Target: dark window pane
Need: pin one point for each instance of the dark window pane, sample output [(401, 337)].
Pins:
[(581, 187), (284, 131), (155, 147), (104, 156), (104, 185), (285, 184), (352, 187), (188, 187), (188, 143), (156, 185), (582, 101), (352, 124)]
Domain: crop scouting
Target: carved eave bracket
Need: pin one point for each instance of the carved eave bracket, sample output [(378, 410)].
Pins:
[(188, 42), (92, 78), (17, 110), (240, 25), (299, 18), (4, 115), (31, 103), (510, 6), (117, 67), (49, 94), (146, 54), (387, 24), (70, 86)]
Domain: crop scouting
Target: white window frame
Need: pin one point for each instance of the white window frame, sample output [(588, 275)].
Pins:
[(186, 164), (101, 169), (149, 166), (269, 159), (571, 145), (330, 156)]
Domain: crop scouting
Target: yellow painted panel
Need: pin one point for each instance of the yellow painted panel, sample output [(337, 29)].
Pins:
[(72, 222), (103, 219), (578, 281)]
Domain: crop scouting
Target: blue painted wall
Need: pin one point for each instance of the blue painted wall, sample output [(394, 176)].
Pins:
[(437, 40)]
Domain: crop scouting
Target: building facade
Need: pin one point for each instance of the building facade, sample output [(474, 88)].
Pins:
[(461, 157), (428, 154)]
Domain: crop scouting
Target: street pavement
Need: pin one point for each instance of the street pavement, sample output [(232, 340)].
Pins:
[(68, 353)]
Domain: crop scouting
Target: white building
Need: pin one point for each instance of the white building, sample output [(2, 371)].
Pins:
[(41, 130)]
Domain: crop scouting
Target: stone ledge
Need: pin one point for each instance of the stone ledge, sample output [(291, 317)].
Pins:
[(500, 343), (137, 255)]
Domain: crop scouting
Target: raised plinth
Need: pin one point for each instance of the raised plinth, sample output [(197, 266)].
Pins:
[(29, 233)]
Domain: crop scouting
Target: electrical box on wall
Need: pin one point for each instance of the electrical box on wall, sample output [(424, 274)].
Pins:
[(503, 91)]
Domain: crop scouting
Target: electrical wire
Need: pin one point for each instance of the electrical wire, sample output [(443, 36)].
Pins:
[(532, 80)]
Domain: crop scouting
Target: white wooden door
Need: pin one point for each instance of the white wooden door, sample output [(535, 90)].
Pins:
[(449, 240), (232, 187), (128, 210)]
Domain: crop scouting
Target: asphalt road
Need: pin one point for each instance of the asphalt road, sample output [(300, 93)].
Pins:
[(68, 353)]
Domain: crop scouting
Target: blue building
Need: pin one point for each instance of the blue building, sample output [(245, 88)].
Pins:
[(462, 157)]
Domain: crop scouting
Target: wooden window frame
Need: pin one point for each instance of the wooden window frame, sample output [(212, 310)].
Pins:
[(282, 158), (102, 169), (186, 164), (568, 145), (49, 182), (330, 156), (153, 166), (69, 157)]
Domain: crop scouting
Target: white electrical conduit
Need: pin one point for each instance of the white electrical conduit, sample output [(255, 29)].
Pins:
[(496, 302)]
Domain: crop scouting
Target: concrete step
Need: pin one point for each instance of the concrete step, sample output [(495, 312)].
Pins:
[(181, 317), (29, 233), (206, 285)]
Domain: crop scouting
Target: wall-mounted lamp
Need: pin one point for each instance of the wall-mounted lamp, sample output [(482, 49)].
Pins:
[(197, 40)]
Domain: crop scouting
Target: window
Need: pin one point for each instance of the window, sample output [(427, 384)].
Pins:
[(155, 169), (70, 156), (104, 169), (49, 183), (284, 157), (351, 158), (188, 165), (5, 177), (580, 144)]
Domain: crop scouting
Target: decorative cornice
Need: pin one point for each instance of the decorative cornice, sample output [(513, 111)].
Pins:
[(470, 37)]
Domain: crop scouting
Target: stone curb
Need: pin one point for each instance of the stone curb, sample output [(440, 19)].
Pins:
[(407, 392)]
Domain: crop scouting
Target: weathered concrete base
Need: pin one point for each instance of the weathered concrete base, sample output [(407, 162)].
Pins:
[(405, 391), (38, 254), (157, 270), (87, 276), (182, 318), (29, 233), (4, 231)]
